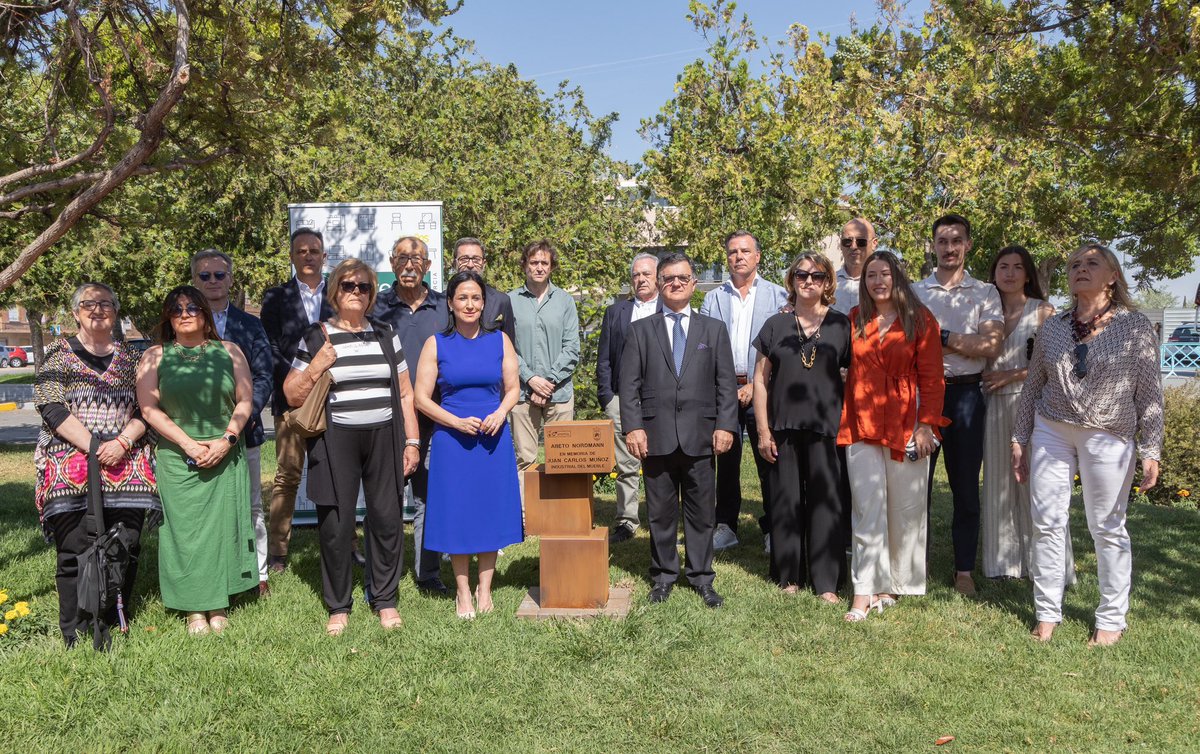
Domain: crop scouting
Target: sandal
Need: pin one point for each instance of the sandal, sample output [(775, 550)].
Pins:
[(886, 600), (857, 614), (218, 621), (1113, 638), (389, 622), (1040, 634), (197, 624), (469, 613), (478, 602), (337, 624)]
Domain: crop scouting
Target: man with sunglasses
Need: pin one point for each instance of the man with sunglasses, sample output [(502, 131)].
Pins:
[(857, 242), (416, 313), (212, 273), (972, 331), (743, 303), (287, 311), (469, 254)]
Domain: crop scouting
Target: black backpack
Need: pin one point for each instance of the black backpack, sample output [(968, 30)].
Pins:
[(103, 565)]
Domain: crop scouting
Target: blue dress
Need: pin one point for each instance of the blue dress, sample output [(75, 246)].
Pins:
[(473, 503)]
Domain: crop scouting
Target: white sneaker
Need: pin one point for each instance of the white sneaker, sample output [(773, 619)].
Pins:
[(724, 538)]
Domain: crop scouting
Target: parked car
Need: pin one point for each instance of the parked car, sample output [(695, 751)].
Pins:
[(1185, 334), (13, 356)]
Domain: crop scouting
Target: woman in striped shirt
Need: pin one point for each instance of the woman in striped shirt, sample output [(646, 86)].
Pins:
[(371, 434)]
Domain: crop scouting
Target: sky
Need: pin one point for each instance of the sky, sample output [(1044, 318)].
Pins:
[(625, 55)]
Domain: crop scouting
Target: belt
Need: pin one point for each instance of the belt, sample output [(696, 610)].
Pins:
[(965, 379), (743, 379)]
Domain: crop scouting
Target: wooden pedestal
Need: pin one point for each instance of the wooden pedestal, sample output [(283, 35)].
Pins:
[(557, 504), (574, 570)]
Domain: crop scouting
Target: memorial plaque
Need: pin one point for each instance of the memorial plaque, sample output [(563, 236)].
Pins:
[(578, 447)]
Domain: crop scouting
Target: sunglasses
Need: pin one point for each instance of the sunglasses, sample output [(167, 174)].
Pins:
[(804, 275), (859, 242), (671, 279), (1081, 352), (350, 287), (91, 306), (206, 276), (191, 310)]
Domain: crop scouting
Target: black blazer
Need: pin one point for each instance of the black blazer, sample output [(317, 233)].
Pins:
[(678, 413), (498, 313), (284, 320), (612, 342), (245, 330)]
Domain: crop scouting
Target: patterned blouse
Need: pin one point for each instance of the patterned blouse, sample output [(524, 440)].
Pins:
[(1120, 393), (104, 403)]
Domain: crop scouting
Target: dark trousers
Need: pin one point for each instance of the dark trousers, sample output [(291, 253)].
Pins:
[(808, 538), (670, 480), (70, 540), (729, 475), (365, 456), (962, 443), (427, 564)]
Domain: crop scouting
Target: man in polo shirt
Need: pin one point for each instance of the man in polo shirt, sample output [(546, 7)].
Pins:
[(416, 312), (469, 254), (547, 344), (857, 242), (972, 322)]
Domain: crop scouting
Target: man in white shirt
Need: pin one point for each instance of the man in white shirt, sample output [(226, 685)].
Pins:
[(972, 322), (857, 242), (743, 303)]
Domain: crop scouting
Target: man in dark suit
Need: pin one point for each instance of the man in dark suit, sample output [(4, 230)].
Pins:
[(642, 302), (212, 273), (287, 311), (497, 307), (678, 409)]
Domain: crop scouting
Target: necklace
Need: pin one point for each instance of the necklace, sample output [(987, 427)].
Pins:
[(811, 358), (190, 355), (1080, 330)]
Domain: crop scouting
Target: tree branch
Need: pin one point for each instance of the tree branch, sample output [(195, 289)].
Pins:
[(18, 213), (152, 134)]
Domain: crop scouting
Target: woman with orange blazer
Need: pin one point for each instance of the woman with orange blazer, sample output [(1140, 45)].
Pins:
[(890, 420)]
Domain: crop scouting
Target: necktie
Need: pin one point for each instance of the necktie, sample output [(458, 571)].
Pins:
[(678, 340)]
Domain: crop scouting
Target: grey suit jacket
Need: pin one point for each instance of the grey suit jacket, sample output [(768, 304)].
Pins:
[(769, 298), (678, 412)]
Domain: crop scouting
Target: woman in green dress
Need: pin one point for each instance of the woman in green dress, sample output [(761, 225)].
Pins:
[(195, 391)]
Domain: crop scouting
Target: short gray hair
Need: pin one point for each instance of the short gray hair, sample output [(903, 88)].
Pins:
[(77, 296), (644, 255), (200, 256)]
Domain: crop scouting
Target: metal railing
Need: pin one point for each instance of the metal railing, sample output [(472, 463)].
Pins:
[(1179, 359)]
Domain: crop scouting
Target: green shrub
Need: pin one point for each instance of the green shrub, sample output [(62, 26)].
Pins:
[(1179, 478)]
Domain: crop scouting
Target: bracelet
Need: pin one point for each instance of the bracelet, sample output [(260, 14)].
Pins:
[(124, 443), (410, 443)]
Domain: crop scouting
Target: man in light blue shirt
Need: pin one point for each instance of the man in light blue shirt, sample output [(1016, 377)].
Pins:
[(547, 344)]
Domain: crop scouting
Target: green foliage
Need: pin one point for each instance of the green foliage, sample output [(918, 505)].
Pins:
[(1179, 475)]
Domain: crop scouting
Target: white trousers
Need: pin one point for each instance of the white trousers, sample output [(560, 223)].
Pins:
[(254, 465), (1105, 464), (888, 519)]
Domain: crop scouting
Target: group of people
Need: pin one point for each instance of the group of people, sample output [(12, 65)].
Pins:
[(846, 384)]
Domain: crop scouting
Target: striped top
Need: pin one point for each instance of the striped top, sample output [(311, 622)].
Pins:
[(360, 393)]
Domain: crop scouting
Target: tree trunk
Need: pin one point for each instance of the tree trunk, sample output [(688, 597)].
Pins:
[(37, 338)]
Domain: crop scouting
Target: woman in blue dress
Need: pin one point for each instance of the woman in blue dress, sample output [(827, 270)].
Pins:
[(474, 503)]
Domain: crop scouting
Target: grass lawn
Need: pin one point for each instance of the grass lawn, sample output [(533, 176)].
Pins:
[(767, 672), (17, 378)]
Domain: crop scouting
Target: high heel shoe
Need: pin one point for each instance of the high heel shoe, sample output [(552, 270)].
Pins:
[(469, 613), (481, 608), (856, 614)]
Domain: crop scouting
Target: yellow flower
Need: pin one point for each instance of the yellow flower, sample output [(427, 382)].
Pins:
[(3, 629), (11, 615), (22, 609), (1185, 493), (612, 475), (3, 597)]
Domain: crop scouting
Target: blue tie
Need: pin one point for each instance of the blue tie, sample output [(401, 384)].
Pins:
[(678, 341)]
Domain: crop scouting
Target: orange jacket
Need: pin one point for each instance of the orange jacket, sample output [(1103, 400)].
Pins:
[(885, 379)]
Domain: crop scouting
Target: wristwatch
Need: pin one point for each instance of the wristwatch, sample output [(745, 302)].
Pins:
[(231, 438), (412, 443)]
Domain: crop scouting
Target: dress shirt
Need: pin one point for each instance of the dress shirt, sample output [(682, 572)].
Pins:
[(740, 320), (547, 340), (311, 298), (961, 309), (685, 321), (643, 309), (414, 326), (219, 320), (847, 293)]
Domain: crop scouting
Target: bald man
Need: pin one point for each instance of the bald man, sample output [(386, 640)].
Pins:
[(857, 242)]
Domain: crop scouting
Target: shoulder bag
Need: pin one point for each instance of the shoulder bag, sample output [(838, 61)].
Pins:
[(310, 419)]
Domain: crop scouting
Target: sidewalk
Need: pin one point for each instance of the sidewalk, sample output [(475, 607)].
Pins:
[(21, 426)]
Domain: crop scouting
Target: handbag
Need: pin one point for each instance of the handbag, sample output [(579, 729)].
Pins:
[(103, 565), (310, 419)]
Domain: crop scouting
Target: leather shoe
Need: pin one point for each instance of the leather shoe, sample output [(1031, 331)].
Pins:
[(619, 533), (964, 584), (661, 592), (277, 563), (709, 595), (433, 586)]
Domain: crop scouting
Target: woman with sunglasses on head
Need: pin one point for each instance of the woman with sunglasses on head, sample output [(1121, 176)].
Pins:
[(85, 391), (797, 407), (1092, 404), (371, 440), (895, 390), (1005, 504), (195, 391)]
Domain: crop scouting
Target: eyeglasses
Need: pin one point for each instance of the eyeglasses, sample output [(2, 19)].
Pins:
[(206, 276), (350, 287), (403, 262), (91, 306), (1081, 352), (859, 242), (672, 279), (470, 261), (191, 310), (804, 275)]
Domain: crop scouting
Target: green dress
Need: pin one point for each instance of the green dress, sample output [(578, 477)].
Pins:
[(206, 543)]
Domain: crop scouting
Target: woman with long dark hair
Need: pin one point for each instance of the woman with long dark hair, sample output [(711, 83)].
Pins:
[(474, 505), (890, 420), (195, 390)]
